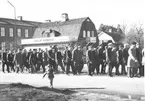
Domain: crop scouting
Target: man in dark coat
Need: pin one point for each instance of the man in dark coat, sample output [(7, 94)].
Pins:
[(40, 60), (59, 59), (125, 55), (95, 61), (51, 56), (4, 61), (101, 52), (139, 58), (18, 60), (10, 60), (25, 60), (33, 60), (111, 58), (89, 59), (121, 60), (77, 57), (68, 61)]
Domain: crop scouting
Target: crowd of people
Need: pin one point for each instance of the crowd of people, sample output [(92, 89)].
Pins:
[(128, 58)]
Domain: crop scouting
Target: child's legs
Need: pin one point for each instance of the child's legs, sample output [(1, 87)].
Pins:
[(51, 82)]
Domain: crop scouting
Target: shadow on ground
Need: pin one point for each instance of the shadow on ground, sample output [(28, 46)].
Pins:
[(45, 88)]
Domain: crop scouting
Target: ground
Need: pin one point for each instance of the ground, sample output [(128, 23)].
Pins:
[(32, 87)]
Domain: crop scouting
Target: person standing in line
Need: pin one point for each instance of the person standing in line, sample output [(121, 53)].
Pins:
[(95, 61), (51, 56), (77, 57), (33, 60), (125, 54), (89, 59), (18, 61), (68, 61), (59, 58), (139, 58), (101, 52), (4, 61), (40, 61), (132, 60), (25, 60), (10, 59), (30, 60), (111, 58), (121, 60)]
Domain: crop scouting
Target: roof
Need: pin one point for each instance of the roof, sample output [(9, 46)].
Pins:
[(104, 36), (69, 28), (117, 37), (18, 22)]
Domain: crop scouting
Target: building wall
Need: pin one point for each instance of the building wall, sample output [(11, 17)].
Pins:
[(88, 30), (15, 40)]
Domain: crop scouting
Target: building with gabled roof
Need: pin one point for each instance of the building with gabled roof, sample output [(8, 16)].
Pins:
[(80, 31)]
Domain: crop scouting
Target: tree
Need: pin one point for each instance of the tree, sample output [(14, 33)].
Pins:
[(136, 33)]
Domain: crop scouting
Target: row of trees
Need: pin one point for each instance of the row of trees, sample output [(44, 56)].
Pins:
[(133, 33)]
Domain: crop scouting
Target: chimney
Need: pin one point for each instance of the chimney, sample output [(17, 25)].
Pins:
[(65, 17), (20, 18)]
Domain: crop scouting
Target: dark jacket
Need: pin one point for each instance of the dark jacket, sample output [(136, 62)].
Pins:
[(89, 56), (125, 54), (120, 56), (18, 58), (77, 55), (10, 57), (4, 57), (112, 56), (95, 57), (67, 56)]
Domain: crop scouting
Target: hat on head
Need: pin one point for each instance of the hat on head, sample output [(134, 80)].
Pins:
[(110, 44)]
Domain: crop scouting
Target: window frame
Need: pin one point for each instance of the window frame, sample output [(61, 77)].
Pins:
[(2, 32), (26, 33), (84, 34), (19, 32), (88, 33), (11, 32)]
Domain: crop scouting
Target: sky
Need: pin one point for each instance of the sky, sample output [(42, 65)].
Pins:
[(109, 12)]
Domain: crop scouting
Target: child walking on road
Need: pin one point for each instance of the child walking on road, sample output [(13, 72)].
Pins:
[(50, 75)]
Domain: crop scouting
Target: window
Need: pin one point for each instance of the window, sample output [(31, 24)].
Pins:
[(84, 33), (88, 20), (92, 33), (88, 34), (2, 31), (19, 32), (3, 45), (11, 32), (26, 33)]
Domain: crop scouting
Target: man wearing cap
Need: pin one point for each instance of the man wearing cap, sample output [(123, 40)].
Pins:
[(139, 58), (95, 61), (68, 61), (59, 58), (10, 60), (121, 61), (89, 59), (132, 60), (33, 60), (52, 60), (77, 55), (4, 61), (111, 58), (18, 60), (101, 52)]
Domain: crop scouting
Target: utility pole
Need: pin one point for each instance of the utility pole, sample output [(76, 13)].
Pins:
[(15, 29)]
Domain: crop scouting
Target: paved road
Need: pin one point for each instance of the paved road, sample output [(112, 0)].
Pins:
[(129, 86)]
